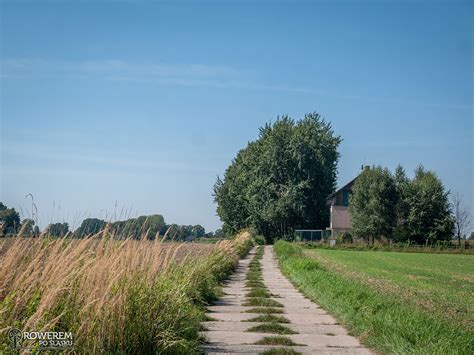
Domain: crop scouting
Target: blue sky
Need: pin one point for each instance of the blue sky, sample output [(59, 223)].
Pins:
[(136, 106)]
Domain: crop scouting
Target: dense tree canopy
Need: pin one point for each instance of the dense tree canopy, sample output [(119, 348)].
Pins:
[(373, 203), (143, 226), (281, 181), (429, 213), (9, 218), (404, 209), (198, 231), (90, 226), (184, 232), (401, 232), (58, 229)]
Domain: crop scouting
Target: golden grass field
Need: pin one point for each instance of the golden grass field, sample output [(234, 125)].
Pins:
[(114, 295)]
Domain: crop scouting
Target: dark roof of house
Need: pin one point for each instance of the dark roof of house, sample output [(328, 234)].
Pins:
[(342, 188)]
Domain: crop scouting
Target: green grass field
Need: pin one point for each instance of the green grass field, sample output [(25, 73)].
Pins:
[(394, 302), (441, 283)]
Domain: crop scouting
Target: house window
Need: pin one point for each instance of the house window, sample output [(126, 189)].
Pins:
[(345, 197)]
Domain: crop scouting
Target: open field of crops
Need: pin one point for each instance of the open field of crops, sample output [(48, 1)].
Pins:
[(395, 302), (113, 295)]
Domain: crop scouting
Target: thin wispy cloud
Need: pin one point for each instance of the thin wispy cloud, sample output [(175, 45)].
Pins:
[(116, 69), (186, 75), (91, 163), (115, 66)]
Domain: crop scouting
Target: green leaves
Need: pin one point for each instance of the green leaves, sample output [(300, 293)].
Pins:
[(373, 203), (58, 229), (429, 214), (90, 226), (9, 218), (395, 206), (280, 181)]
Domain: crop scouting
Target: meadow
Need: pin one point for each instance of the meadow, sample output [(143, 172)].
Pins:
[(394, 302), (440, 283), (126, 296)]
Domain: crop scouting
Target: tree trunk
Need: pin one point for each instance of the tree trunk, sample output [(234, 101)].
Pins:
[(459, 234)]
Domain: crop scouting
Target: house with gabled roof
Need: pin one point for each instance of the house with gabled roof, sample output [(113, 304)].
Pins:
[(338, 203)]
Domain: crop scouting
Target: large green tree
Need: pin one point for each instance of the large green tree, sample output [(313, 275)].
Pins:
[(401, 232), (429, 216), (198, 231), (141, 227), (415, 209), (90, 226), (10, 219), (373, 204), (281, 181), (180, 233), (58, 229)]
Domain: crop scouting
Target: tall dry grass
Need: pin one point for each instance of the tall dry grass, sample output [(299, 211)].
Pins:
[(114, 295)]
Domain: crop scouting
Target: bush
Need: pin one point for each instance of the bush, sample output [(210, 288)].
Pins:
[(259, 240), (345, 238)]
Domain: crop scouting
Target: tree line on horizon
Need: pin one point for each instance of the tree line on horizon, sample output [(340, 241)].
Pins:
[(147, 227)]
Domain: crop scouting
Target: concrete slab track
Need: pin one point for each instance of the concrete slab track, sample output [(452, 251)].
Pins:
[(317, 331)]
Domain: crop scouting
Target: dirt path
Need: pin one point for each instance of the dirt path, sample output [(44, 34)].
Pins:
[(315, 331)]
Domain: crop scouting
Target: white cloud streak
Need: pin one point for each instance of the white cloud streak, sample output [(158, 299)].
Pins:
[(116, 69), (186, 75)]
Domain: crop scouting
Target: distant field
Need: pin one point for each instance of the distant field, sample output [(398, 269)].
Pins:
[(181, 251), (394, 302), (441, 283)]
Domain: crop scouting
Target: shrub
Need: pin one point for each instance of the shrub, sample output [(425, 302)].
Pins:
[(259, 240), (345, 238)]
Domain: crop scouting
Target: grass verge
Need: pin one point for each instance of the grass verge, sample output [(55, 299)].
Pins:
[(381, 320)]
